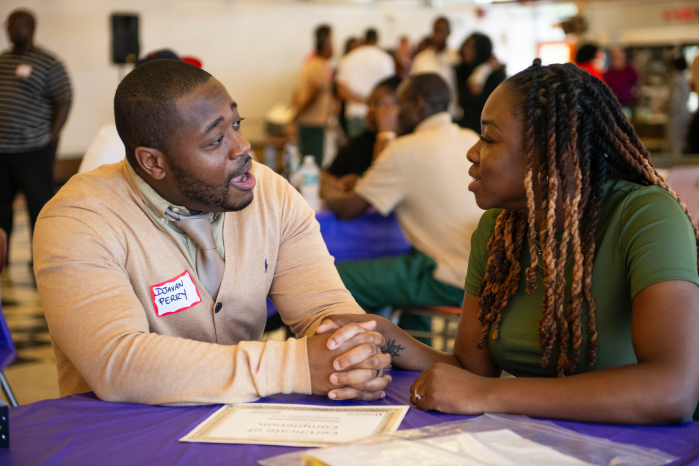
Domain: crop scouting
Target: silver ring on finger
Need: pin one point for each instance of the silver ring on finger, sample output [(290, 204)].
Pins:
[(417, 397)]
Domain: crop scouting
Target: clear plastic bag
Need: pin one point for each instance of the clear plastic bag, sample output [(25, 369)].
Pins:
[(490, 439)]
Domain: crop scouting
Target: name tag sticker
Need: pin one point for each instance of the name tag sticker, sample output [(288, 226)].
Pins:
[(175, 295), (23, 70)]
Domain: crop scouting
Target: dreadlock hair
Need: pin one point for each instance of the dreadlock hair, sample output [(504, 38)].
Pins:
[(575, 123)]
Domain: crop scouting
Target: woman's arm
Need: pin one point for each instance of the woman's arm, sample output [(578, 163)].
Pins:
[(467, 337), (663, 387)]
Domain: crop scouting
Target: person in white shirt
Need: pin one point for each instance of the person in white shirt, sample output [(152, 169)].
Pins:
[(359, 72), (421, 177), (106, 147), (438, 57)]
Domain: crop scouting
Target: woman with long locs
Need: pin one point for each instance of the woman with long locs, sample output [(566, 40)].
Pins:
[(582, 279)]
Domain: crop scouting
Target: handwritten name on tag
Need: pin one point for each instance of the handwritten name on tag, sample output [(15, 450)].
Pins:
[(175, 295)]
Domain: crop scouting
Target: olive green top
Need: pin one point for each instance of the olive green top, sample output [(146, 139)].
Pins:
[(643, 237)]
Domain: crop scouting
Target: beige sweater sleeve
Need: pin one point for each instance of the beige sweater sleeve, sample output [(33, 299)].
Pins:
[(306, 284), (98, 323)]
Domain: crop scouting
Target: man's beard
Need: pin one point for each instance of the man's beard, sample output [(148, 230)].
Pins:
[(215, 197)]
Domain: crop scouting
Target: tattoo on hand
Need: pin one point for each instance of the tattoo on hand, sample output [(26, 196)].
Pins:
[(393, 348)]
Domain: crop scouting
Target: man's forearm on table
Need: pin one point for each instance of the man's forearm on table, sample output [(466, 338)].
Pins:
[(156, 369), (347, 205)]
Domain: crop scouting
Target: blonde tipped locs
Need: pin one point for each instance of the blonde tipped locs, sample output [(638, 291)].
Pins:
[(575, 129)]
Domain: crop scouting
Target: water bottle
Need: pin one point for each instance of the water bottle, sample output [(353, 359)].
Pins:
[(292, 160), (309, 177)]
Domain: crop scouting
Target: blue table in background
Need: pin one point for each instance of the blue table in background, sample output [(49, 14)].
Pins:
[(367, 237)]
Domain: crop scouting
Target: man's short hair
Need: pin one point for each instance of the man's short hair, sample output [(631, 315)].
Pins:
[(22, 13), (440, 19), (371, 36), (586, 53), (431, 87), (322, 37), (391, 83), (145, 103)]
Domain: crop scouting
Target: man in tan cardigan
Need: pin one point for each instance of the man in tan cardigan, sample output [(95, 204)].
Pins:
[(153, 272)]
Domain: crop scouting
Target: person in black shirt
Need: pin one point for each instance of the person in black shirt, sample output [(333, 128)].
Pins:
[(356, 157), (35, 97), (477, 76), (693, 132)]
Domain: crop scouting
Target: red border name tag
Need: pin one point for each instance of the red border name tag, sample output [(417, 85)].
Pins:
[(175, 295)]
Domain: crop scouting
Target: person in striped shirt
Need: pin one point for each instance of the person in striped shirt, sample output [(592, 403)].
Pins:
[(35, 96)]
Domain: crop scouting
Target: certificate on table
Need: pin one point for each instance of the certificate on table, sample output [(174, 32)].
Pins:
[(296, 425)]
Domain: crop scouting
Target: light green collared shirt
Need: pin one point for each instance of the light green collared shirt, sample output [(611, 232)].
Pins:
[(156, 207)]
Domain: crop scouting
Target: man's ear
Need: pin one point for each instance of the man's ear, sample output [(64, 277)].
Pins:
[(151, 161)]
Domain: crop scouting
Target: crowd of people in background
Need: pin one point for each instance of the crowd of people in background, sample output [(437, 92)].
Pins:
[(471, 73), (613, 67), (337, 99)]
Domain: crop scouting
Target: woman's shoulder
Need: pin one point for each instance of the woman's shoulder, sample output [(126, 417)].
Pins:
[(486, 226), (631, 209), (630, 196), (488, 219)]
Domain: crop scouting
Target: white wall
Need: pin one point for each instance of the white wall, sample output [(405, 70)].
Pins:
[(254, 47), (640, 22)]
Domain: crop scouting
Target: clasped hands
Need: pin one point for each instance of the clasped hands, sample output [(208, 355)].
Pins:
[(355, 347), (351, 369)]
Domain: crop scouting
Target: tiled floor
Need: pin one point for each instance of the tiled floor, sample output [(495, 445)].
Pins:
[(32, 376)]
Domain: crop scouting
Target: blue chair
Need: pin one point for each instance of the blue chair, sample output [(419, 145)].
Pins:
[(7, 355), (7, 346)]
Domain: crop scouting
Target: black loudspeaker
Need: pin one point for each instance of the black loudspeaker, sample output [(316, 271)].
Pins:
[(125, 48)]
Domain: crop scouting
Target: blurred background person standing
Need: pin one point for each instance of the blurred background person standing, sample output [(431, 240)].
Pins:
[(350, 44), (586, 60), (437, 57), (622, 77), (404, 57), (360, 71), (477, 76), (312, 101), (35, 96), (677, 111)]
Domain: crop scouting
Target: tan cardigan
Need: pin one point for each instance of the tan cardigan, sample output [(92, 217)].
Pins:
[(97, 254)]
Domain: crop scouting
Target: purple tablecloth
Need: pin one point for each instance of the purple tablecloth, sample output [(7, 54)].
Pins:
[(367, 237), (81, 430)]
